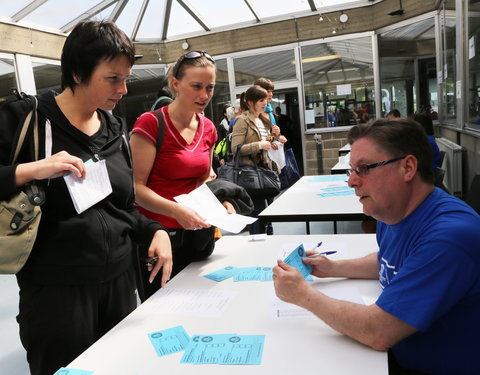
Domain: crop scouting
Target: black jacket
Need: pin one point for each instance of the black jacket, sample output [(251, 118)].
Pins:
[(98, 244)]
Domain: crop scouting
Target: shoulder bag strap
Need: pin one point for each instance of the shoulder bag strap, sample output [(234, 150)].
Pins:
[(30, 120), (161, 129)]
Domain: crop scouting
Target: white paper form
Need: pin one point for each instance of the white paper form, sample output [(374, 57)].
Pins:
[(285, 310), (95, 187), (194, 302), (206, 204)]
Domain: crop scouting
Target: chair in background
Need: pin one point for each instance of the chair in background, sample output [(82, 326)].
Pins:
[(439, 175), (473, 196), (442, 157)]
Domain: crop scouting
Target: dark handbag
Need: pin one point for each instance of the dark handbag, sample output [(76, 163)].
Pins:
[(20, 216), (289, 174), (256, 180)]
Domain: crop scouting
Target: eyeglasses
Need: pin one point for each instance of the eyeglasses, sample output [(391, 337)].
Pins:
[(363, 169), (189, 56)]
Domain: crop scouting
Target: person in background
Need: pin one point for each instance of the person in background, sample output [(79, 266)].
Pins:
[(427, 124), (266, 84), (428, 262), (394, 113), (256, 133), (164, 96), (79, 280), (183, 163)]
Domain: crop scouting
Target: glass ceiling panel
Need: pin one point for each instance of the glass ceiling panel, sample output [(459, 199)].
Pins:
[(57, 13), (181, 22), (220, 13), (11, 7), (267, 9), (152, 23), (126, 20)]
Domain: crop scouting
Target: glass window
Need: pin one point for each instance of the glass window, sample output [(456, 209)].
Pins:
[(402, 51), (221, 95), (276, 66), (47, 77), (448, 69), (474, 63), (143, 86), (7, 77), (338, 82)]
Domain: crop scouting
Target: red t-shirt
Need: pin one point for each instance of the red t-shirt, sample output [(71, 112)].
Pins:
[(179, 166)]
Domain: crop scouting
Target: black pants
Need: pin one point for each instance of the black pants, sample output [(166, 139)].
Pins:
[(187, 246), (58, 323)]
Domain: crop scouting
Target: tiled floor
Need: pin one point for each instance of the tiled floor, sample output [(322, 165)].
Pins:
[(12, 354)]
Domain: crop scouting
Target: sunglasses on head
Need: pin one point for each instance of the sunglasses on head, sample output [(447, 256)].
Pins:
[(189, 56)]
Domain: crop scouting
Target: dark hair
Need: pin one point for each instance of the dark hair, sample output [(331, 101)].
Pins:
[(182, 64), (425, 121), (254, 94), (398, 137), (394, 113), (264, 83), (87, 45)]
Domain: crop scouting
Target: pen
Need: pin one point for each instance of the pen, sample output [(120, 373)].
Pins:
[(316, 247), (324, 253)]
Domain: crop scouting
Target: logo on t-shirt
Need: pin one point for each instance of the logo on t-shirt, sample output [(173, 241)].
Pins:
[(386, 273)]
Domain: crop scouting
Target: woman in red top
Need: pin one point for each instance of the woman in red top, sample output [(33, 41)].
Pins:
[(182, 164)]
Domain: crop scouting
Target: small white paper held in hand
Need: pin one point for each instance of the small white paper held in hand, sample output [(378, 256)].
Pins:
[(209, 207), (95, 187), (278, 156)]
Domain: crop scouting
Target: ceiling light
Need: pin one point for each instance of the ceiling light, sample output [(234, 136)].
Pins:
[(320, 19), (343, 18), (321, 58)]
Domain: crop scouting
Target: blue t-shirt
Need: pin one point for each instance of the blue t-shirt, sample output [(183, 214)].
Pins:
[(436, 152), (430, 275)]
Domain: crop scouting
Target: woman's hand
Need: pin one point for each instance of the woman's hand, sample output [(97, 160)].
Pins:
[(212, 175), (188, 218), (229, 207), (282, 139), (161, 250), (54, 166), (275, 130), (265, 145)]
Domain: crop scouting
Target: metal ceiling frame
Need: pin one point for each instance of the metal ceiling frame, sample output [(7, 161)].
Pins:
[(27, 10), (93, 11)]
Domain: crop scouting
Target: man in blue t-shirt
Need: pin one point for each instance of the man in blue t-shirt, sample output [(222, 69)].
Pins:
[(428, 262)]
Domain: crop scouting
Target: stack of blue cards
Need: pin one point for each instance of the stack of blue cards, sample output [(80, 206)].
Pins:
[(223, 349)]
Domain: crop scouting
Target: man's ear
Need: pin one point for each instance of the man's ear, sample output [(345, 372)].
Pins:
[(410, 167)]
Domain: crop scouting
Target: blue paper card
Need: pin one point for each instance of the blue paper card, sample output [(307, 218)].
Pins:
[(71, 371), (294, 259), (222, 274), (253, 274), (168, 341), (337, 193), (328, 177), (338, 188), (225, 350)]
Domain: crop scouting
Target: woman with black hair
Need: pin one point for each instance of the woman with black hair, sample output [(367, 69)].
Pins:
[(79, 280)]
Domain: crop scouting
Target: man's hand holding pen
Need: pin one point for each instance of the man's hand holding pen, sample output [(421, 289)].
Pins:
[(160, 257)]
